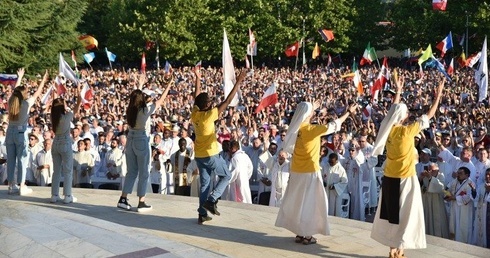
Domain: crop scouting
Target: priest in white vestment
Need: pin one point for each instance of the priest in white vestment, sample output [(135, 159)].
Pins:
[(335, 181), (44, 164), (241, 169), (279, 176), (436, 221), (482, 217)]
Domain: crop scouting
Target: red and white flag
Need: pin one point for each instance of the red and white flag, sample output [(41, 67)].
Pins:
[(87, 96), (292, 50), (252, 38), (450, 69), (381, 80), (439, 5), (47, 96), (269, 98), (60, 87), (143, 63), (247, 63), (366, 112)]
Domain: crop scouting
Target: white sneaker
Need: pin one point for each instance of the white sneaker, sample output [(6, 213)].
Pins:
[(55, 198), (69, 199), (14, 189), (24, 190)]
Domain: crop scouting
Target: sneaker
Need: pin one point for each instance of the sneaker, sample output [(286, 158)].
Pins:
[(142, 206), (55, 198), (13, 189), (123, 204), (203, 219), (69, 199), (211, 207), (24, 190)]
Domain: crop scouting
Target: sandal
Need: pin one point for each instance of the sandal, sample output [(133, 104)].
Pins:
[(309, 241), (298, 239)]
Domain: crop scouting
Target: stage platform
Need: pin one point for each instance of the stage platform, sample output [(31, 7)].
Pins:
[(30, 226)]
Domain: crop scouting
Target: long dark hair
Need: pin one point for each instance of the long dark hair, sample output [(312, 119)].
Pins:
[(57, 110), (15, 102), (201, 100), (136, 102)]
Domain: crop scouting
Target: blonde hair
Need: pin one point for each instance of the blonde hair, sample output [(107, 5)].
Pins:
[(15, 102)]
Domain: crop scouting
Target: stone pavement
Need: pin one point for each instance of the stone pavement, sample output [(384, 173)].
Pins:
[(30, 226)]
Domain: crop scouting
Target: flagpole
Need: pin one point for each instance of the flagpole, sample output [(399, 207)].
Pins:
[(252, 59), (296, 63)]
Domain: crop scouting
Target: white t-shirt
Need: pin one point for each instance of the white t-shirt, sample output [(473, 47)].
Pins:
[(142, 120)]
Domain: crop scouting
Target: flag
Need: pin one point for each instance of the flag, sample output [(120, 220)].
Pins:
[(8, 79), (381, 80), (357, 79), (366, 112), (316, 51), (168, 67), (462, 60), (111, 56), (445, 44), (434, 63), (450, 69), (89, 57), (329, 62), (252, 51), (426, 54), (46, 96), (198, 65), (439, 5), (149, 44), (269, 98), (292, 50), (73, 58), (421, 74), (60, 88), (419, 52), (229, 77), (66, 71), (88, 42), (473, 59), (369, 55), (481, 75), (87, 96), (251, 37), (406, 53), (461, 42), (247, 63), (143, 63), (327, 35)]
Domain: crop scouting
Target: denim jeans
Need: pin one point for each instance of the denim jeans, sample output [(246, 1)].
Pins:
[(62, 154), (16, 143), (138, 155), (206, 167)]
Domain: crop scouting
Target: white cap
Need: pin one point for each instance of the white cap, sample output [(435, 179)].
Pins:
[(149, 92), (427, 151), (176, 128)]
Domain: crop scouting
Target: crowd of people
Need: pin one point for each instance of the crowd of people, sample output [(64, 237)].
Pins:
[(250, 156)]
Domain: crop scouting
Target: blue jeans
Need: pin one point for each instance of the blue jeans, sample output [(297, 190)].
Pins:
[(62, 153), (15, 141), (206, 167), (138, 155)]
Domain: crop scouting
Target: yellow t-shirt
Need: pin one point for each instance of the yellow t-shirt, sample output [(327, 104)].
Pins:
[(306, 154), (401, 155), (206, 144)]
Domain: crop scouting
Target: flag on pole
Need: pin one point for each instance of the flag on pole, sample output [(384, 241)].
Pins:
[(8, 79), (439, 5), (481, 74), (445, 44), (381, 80), (252, 51), (407, 53), (252, 37), (111, 56), (316, 51), (47, 96), (434, 63), (473, 59), (168, 67), (327, 35), (149, 44), (269, 98), (369, 55), (89, 57), (450, 69), (66, 71), (329, 62), (198, 65), (88, 42), (73, 58), (87, 96), (143, 63), (461, 42), (229, 77), (426, 54), (60, 88), (247, 63), (357, 79), (292, 50), (366, 112)]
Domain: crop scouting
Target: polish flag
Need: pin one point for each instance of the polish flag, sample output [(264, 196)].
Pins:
[(269, 98), (439, 5), (143, 63), (450, 69), (87, 96), (60, 88), (366, 112), (45, 98)]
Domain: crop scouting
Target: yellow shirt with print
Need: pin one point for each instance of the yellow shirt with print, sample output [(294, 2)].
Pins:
[(206, 144), (306, 154), (401, 155)]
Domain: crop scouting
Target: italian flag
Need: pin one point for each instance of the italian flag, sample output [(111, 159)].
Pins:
[(269, 98), (369, 55)]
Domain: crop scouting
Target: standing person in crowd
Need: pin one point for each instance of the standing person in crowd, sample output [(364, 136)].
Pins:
[(43, 163), (482, 217), (279, 178), (399, 220), (335, 181), (206, 146), (61, 152), (432, 182), (241, 169), (304, 207), (19, 106), (138, 150)]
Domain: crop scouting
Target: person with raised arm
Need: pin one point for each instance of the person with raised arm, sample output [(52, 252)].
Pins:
[(16, 141), (399, 220), (203, 116)]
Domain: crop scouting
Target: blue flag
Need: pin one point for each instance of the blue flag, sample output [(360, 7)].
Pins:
[(434, 63), (111, 56), (168, 67), (89, 57)]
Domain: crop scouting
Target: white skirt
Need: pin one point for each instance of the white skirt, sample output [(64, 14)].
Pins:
[(410, 232), (304, 207)]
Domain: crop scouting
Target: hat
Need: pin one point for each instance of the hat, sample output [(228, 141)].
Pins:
[(79, 123), (174, 119), (149, 92), (427, 151), (33, 135), (176, 128), (119, 122)]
